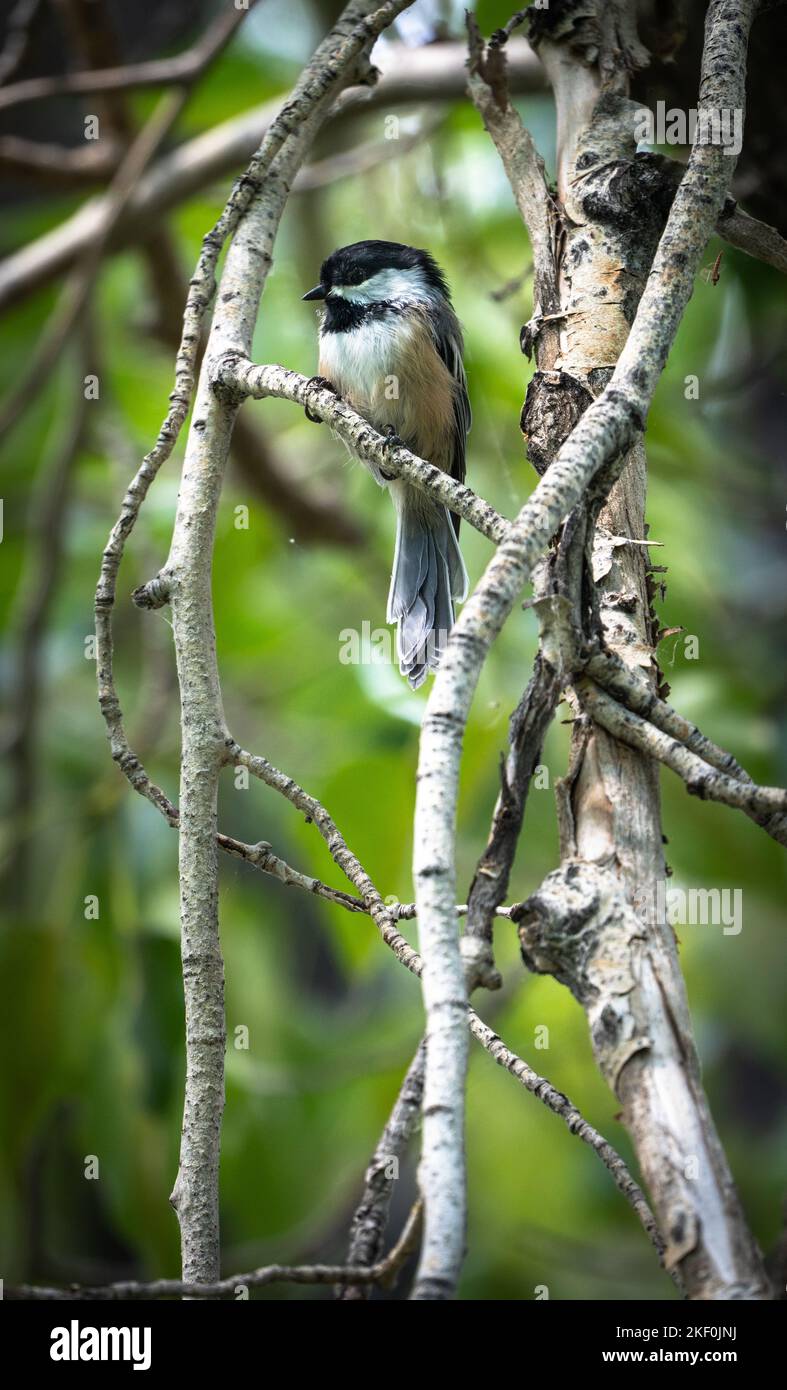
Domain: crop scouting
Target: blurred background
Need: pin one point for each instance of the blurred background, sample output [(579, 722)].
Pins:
[(90, 992)]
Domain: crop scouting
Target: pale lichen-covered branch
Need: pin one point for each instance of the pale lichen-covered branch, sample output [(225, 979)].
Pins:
[(609, 426)]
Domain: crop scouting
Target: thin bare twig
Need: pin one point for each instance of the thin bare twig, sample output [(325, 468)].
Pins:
[(528, 728), (382, 1272), (78, 288), (435, 73), (371, 1215), (182, 70), (561, 1106), (385, 919), (627, 686), (47, 536), (17, 38), (58, 166)]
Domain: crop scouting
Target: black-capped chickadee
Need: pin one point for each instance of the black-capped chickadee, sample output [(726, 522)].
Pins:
[(391, 345)]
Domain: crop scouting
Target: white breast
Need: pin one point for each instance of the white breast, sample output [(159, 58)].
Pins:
[(362, 362)]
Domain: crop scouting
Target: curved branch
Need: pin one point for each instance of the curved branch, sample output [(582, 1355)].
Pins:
[(371, 1215), (78, 287), (627, 686), (259, 199), (607, 429)]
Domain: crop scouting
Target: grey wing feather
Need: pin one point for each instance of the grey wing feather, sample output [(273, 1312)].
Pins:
[(449, 344)]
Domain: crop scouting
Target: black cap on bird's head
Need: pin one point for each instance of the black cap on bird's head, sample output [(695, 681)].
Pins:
[(354, 265)]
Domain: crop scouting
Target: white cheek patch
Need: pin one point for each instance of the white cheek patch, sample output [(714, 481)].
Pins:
[(388, 284)]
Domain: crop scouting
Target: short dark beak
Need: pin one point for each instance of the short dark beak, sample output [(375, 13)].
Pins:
[(317, 293)]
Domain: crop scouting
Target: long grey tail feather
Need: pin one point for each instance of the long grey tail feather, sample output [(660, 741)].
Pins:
[(428, 574)]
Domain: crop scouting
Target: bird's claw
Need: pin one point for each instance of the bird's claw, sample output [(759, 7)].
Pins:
[(324, 385), (392, 441)]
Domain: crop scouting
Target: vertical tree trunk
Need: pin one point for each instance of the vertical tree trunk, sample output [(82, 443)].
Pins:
[(613, 212)]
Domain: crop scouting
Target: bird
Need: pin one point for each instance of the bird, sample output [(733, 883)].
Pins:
[(391, 345)]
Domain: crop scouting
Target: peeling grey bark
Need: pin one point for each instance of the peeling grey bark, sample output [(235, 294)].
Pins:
[(582, 927), (623, 361)]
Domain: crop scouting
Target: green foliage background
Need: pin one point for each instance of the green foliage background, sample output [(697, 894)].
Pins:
[(91, 1010)]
